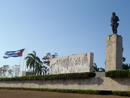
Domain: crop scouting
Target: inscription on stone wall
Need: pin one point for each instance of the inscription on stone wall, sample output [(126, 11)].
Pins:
[(71, 64)]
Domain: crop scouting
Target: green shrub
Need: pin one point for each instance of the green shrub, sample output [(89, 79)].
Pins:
[(117, 73), (55, 76), (121, 93), (56, 90)]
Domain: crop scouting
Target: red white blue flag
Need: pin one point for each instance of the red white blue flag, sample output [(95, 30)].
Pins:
[(17, 53)]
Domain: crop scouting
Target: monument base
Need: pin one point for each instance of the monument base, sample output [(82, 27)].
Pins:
[(113, 52)]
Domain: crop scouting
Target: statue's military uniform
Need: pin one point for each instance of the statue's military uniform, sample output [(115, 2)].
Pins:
[(114, 23)]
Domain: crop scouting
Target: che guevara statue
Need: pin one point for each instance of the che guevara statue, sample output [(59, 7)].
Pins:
[(114, 24)]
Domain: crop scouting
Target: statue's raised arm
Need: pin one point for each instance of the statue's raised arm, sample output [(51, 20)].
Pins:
[(114, 24)]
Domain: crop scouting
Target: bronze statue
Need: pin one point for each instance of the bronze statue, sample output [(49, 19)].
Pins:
[(114, 23)]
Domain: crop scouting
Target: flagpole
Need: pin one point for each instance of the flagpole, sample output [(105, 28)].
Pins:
[(23, 60), (26, 54), (20, 61)]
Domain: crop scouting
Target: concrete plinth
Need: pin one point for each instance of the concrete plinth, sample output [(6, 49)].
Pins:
[(113, 52)]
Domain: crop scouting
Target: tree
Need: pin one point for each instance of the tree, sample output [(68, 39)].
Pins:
[(125, 66), (40, 69), (5, 69), (10, 72), (96, 69), (32, 60), (16, 70), (102, 69), (46, 60), (1, 72)]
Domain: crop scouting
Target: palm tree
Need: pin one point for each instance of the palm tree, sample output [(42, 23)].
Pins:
[(102, 69), (123, 59), (125, 66), (39, 69), (32, 60), (95, 69)]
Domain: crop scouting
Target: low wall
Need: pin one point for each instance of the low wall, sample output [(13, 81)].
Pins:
[(96, 83)]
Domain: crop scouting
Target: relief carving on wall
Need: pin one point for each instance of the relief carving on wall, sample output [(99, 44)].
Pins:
[(69, 65)]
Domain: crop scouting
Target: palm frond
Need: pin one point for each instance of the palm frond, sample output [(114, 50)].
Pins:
[(102, 69), (34, 53), (28, 57), (31, 55), (123, 59)]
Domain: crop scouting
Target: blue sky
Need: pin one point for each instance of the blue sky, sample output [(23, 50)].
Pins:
[(63, 26)]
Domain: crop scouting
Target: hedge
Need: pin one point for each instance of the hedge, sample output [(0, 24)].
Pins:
[(121, 93), (56, 90), (117, 73), (54, 76)]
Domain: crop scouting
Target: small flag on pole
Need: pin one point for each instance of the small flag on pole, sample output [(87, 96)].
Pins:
[(17, 53)]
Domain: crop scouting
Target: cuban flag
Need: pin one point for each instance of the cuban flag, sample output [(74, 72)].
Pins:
[(17, 53)]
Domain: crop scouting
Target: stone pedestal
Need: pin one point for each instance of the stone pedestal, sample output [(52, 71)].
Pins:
[(113, 52)]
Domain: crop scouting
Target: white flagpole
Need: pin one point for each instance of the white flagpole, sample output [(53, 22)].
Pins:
[(26, 55), (20, 61), (23, 60)]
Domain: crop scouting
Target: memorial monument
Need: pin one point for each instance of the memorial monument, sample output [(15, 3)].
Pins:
[(114, 47), (72, 64)]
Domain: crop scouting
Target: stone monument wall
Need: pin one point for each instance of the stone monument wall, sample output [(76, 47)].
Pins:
[(72, 64)]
